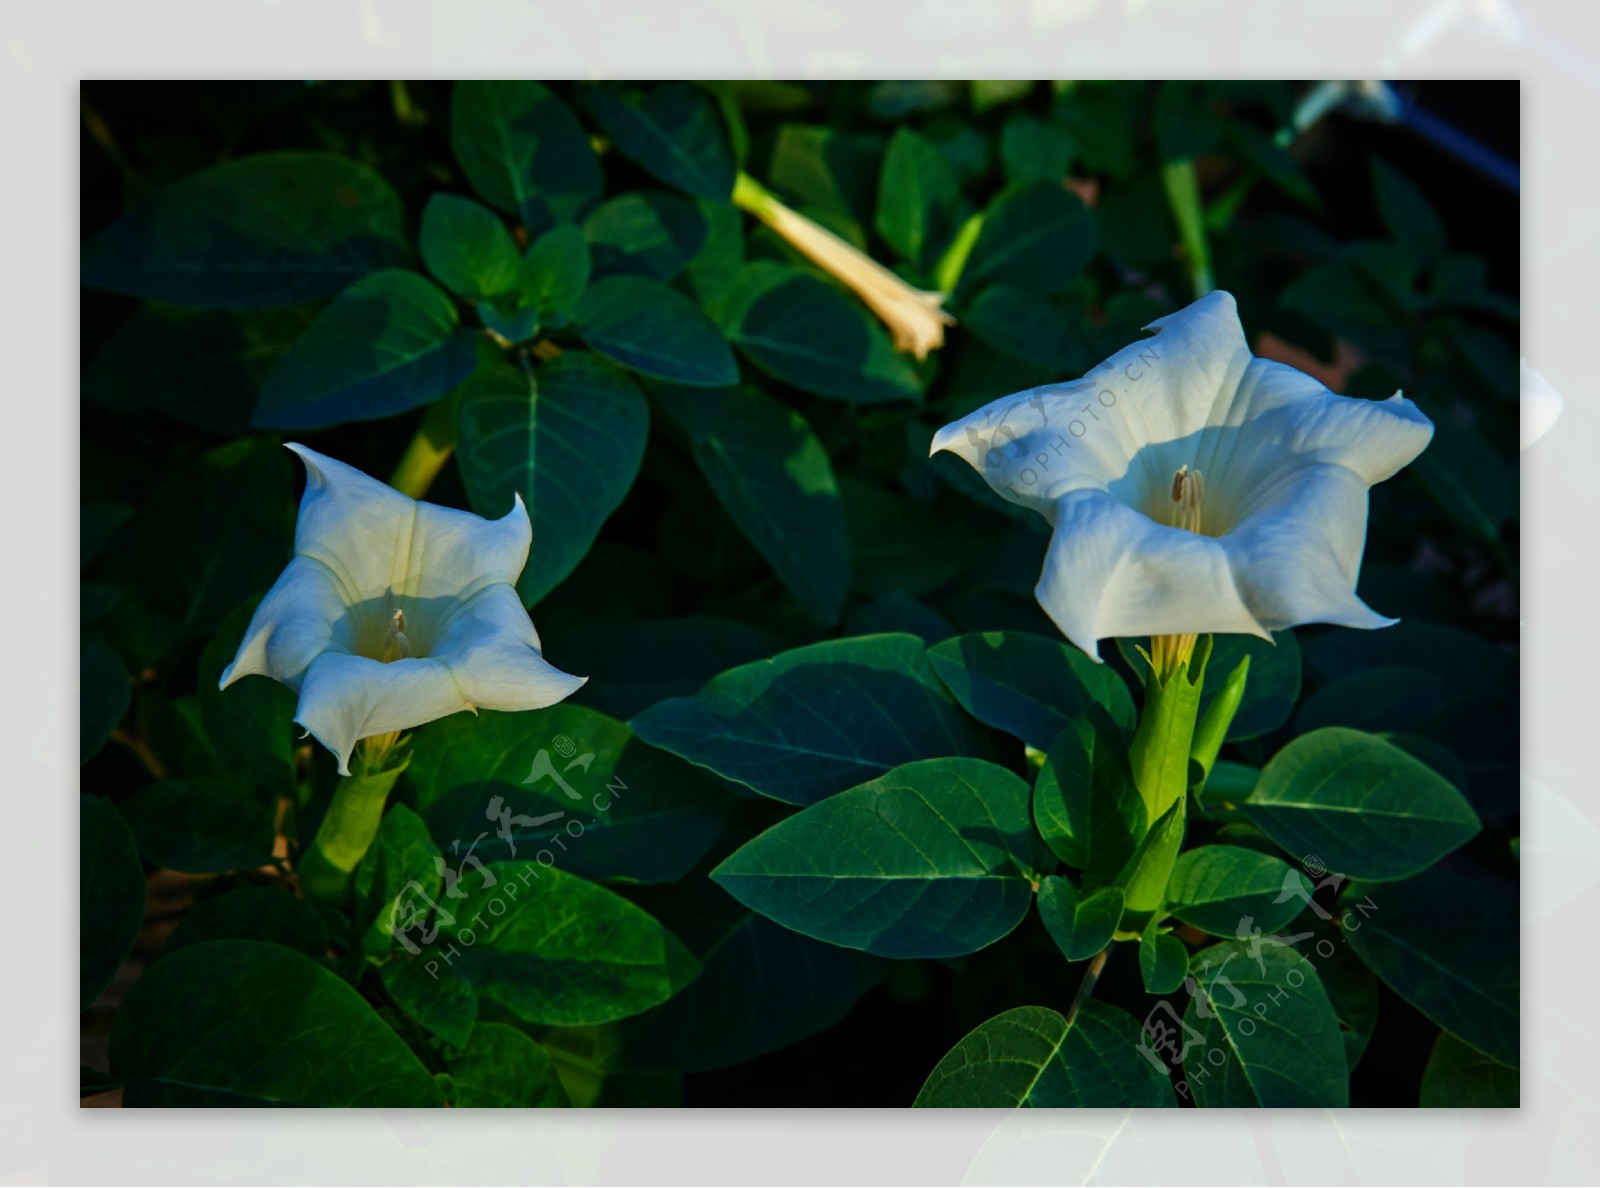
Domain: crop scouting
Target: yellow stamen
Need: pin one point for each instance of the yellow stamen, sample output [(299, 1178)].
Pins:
[(396, 645), (1169, 652)]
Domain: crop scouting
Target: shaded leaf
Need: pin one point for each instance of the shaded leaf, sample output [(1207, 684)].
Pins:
[(110, 895), (468, 248), (675, 131), (641, 324), (523, 151)]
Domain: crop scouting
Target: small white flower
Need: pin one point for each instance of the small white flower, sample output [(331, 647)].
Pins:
[(1269, 538), (394, 612)]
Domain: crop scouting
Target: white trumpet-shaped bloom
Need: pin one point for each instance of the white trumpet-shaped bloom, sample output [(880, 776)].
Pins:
[(1192, 486), (395, 612)]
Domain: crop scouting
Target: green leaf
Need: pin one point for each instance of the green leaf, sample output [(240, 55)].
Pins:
[(1467, 478), (1228, 891), (436, 995), (805, 332), (388, 344), (468, 248), (1080, 927), (200, 826), (401, 854), (1468, 662), (1034, 150), (1267, 1034), (1447, 944), (775, 482), (917, 197), (762, 989), (1459, 1077), (98, 522), (556, 270), (569, 442), (263, 230), (110, 895), (103, 695), (1036, 235), (645, 233), (930, 860), (1027, 685), (252, 913), (642, 324), (1363, 806), (573, 787), (1389, 697), (524, 152), (759, 725), (1031, 1056), (561, 950), (1085, 803), (190, 1033), (631, 666), (828, 171), (218, 532), (991, 93), (889, 536), (1163, 961), (1410, 217), (674, 131), (201, 367), (503, 1069), (250, 724), (1024, 325)]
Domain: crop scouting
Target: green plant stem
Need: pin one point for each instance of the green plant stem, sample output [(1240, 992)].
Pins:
[(346, 832), (429, 450), (1090, 977), (1183, 196), (1159, 754)]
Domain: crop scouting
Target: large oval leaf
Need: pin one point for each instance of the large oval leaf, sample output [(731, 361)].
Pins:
[(564, 784), (1262, 1029), (646, 232), (1447, 944), (933, 859), (1085, 802), (103, 694), (264, 230), (642, 324), (763, 988), (555, 949), (190, 1033), (388, 344), (1458, 1077), (1229, 891), (815, 720), (805, 332), (674, 131), (1035, 234), (500, 1068), (202, 826), (1361, 805), (468, 248), (775, 481), (569, 441), (1027, 685), (917, 196), (1032, 1056), (631, 666), (523, 151), (110, 895)]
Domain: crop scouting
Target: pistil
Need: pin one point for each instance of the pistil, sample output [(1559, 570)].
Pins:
[(396, 645)]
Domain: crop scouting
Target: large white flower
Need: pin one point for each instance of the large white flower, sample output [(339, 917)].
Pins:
[(394, 612), (1270, 537)]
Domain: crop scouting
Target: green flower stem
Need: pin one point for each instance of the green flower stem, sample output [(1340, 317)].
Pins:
[(1159, 759), (429, 450), (1159, 754), (1183, 196), (346, 832)]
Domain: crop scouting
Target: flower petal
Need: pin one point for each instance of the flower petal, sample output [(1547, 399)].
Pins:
[(1133, 418), (492, 649), (302, 616), (1111, 571), (344, 699), (1297, 554), (387, 547)]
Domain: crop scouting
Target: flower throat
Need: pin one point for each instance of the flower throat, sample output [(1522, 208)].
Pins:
[(1169, 652)]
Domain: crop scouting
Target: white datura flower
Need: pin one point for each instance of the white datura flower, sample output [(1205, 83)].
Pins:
[(1193, 487), (395, 612)]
